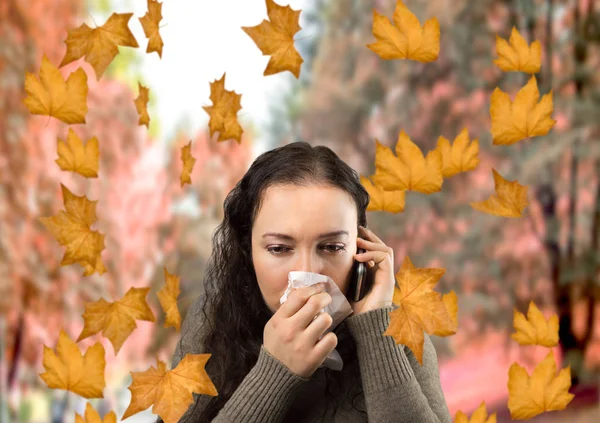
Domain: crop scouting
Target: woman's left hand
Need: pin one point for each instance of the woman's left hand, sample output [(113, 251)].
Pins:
[(380, 260)]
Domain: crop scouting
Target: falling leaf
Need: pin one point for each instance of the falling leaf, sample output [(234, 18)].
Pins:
[(450, 300), (523, 118), (409, 170), (92, 416), (170, 391), (168, 300), (407, 39), (223, 112), (116, 320), (480, 415), (390, 201), (141, 104), (70, 370), (74, 157), (461, 156), (518, 56), (188, 164), (71, 228), (543, 391), (51, 95), (150, 23), (420, 308), (99, 45), (276, 38), (535, 329), (509, 200)]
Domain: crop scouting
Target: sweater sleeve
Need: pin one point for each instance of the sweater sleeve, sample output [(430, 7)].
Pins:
[(396, 386), (264, 395)]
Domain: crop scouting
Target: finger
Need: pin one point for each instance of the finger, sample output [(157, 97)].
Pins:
[(370, 235), (368, 245), (376, 256), (311, 310), (297, 298)]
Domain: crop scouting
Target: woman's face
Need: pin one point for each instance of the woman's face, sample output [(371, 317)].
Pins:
[(303, 214)]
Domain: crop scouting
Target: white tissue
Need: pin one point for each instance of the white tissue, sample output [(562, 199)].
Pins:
[(338, 309)]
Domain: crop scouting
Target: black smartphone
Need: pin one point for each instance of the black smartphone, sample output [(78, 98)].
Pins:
[(359, 286)]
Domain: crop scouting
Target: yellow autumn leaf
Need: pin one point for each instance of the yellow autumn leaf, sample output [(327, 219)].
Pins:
[(523, 118), (150, 23), (461, 156), (188, 164), (535, 329), (116, 320), (170, 391), (442, 327), (71, 228), (51, 95), (406, 39), (92, 416), (480, 415), (223, 112), (543, 391), (74, 157), (509, 200), (409, 170), (168, 300), (70, 370), (99, 45), (276, 38), (518, 56), (141, 104), (390, 201), (420, 308)]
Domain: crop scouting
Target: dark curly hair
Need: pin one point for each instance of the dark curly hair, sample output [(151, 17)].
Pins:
[(234, 306)]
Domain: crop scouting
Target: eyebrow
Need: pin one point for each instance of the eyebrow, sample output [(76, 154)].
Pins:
[(290, 238)]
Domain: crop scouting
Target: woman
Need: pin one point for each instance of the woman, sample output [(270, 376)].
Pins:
[(266, 356)]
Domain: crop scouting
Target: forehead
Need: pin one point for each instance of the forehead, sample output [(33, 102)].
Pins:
[(289, 203)]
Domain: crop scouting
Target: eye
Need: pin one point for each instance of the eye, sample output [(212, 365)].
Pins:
[(276, 249)]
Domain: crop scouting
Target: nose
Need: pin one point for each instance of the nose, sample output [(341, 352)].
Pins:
[(308, 262)]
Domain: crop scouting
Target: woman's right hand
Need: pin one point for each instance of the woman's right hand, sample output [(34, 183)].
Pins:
[(292, 334)]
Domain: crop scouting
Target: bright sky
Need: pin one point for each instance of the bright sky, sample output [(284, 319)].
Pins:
[(203, 39)]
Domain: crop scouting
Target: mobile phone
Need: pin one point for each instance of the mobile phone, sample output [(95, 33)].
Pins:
[(360, 277)]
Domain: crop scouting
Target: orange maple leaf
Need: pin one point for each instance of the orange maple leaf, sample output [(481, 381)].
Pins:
[(276, 38), (480, 415), (420, 308), (170, 391), (223, 112), (51, 95), (407, 39), (74, 157), (523, 118), (461, 156), (168, 300), (92, 416), (517, 56), (116, 320), (409, 170), (141, 104), (188, 164), (543, 391), (150, 23), (535, 329), (381, 200), (71, 228), (99, 45), (509, 200), (72, 371)]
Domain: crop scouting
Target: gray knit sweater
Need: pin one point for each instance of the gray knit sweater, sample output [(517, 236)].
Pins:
[(396, 387)]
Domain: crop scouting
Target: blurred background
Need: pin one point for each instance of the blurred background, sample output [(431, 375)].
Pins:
[(345, 98)]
